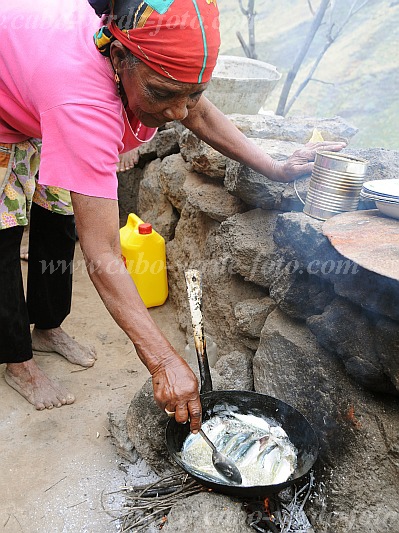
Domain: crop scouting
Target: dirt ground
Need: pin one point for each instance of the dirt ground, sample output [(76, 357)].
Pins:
[(57, 465)]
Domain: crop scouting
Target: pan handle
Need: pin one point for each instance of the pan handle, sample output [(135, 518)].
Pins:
[(194, 291)]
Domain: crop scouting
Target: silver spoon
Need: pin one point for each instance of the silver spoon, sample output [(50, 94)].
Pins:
[(225, 466)]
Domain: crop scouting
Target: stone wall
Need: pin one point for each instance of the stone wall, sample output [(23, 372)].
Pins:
[(289, 314)]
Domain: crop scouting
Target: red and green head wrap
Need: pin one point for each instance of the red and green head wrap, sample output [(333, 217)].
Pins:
[(179, 39)]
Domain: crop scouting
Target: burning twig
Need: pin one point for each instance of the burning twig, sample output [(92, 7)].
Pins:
[(294, 513), (283, 513)]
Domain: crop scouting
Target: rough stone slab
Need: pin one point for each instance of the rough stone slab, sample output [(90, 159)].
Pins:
[(148, 151), (347, 331), (387, 343), (118, 429), (202, 157), (222, 288), (291, 365), (167, 142), (206, 513), (367, 238), (296, 128), (146, 425), (371, 291), (213, 200), (153, 206), (254, 188), (251, 315), (235, 370), (383, 164), (249, 241), (300, 295), (177, 180), (289, 200)]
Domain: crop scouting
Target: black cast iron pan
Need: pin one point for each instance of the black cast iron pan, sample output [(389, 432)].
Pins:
[(292, 421), (298, 429)]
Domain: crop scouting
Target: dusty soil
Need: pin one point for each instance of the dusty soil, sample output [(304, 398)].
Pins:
[(59, 466)]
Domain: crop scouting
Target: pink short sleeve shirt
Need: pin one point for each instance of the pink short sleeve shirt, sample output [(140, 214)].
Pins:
[(55, 85)]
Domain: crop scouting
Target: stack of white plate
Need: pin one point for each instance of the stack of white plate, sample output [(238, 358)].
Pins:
[(385, 193)]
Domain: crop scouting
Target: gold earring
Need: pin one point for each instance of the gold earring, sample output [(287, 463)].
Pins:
[(118, 82)]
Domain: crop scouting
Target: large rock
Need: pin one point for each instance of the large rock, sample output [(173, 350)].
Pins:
[(359, 433), (165, 142), (382, 164), (300, 240), (153, 206), (300, 295), (387, 343), (292, 366), (293, 128), (235, 371), (213, 200), (177, 181), (249, 242), (251, 315), (193, 227), (202, 157), (293, 196), (120, 437), (347, 331), (146, 429), (206, 512), (168, 142), (254, 188), (222, 288)]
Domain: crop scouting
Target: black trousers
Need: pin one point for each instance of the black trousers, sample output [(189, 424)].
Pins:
[(49, 288)]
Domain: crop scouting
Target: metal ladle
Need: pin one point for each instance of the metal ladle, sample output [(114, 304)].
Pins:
[(225, 466)]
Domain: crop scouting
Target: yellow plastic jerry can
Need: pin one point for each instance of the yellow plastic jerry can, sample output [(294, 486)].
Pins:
[(144, 254)]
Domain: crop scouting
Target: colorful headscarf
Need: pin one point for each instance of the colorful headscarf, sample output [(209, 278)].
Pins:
[(179, 39)]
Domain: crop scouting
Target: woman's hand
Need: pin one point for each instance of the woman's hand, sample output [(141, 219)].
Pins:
[(300, 163), (176, 391)]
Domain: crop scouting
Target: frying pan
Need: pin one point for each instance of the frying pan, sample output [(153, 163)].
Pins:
[(298, 429), (296, 426)]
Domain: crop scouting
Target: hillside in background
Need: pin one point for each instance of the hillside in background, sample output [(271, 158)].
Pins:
[(358, 76)]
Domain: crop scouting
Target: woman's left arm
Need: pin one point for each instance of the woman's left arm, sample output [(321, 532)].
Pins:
[(213, 127)]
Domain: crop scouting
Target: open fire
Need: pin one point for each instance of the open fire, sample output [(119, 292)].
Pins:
[(280, 513)]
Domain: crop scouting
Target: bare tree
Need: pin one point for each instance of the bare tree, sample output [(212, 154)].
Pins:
[(281, 107), (249, 48), (333, 33)]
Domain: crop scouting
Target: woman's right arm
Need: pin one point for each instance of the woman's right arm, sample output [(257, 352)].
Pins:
[(175, 385)]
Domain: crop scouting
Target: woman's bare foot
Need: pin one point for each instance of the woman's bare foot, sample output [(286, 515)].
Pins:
[(27, 379), (127, 160), (57, 340)]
